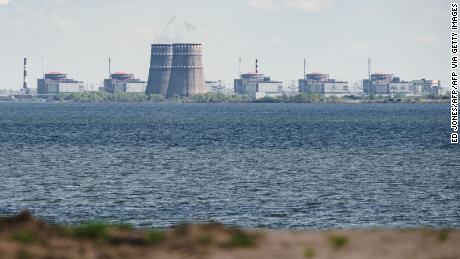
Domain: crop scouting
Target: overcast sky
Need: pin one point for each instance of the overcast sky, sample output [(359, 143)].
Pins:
[(409, 38)]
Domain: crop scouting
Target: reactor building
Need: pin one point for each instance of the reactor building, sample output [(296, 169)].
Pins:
[(389, 85), (124, 82), (54, 83), (176, 70), (428, 86), (318, 83), (257, 85)]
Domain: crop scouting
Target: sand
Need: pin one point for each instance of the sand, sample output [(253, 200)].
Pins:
[(23, 236)]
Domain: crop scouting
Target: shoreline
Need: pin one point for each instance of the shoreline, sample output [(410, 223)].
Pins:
[(446, 101), (98, 97), (23, 236)]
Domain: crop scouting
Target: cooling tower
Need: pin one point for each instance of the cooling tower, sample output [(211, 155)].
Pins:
[(160, 69), (187, 76)]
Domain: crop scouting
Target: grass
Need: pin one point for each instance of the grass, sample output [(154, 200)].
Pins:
[(205, 239), (93, 231), (338, 241), (24, 236), (124, 226), (443, 235), (309, 252), (155, 237), (24, 254), (241, 239)]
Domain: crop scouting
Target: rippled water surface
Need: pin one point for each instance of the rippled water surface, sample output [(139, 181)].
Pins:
[(254, 165)]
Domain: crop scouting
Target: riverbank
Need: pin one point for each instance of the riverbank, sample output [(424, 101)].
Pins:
[(222, 98), (23, 236)]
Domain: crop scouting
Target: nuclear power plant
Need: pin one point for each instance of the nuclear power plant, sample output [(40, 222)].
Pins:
[(176, 70)]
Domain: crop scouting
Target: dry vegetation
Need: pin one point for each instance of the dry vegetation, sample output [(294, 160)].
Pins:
[(23, 236)]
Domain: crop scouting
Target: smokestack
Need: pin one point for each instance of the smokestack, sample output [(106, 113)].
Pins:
[(110, 68), (239, 67), (44, 67), (257, 66), (24, 86), (369, 68)]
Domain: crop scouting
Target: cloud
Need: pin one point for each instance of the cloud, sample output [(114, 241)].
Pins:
[(189, 26), (2, 2), (172, 31), (301, 5)]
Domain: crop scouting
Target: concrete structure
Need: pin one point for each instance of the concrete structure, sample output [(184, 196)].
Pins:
[(25, 89), (160, 69), (428, 87), (263, 89), (176, 70), (389, 85), (291, 88), (317, 83), (54, 83), (124, 82), (187, 75), (245, 80), (258, 86)]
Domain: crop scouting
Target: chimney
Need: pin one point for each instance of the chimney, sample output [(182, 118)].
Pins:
[(44, 67), (24, 86), (110, 68), (369, 68)]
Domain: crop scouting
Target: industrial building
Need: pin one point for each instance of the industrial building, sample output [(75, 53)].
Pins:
[(318, 83), (55, 82), (257, 85), (428, 87), (389, 85), (124, 82), (176, 70)]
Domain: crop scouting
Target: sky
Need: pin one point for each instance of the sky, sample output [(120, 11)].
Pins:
[(409, 38)]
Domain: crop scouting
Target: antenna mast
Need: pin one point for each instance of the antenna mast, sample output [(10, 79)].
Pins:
[(24, 85), (110, 68), (239, 67), (44, 67), (369, 68), (304, 68)]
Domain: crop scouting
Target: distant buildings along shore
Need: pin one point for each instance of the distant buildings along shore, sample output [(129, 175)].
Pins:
[(124, 82), (177, 70), (55, 82)]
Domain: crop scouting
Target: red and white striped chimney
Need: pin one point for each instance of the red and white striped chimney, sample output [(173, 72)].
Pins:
[(24, 86)]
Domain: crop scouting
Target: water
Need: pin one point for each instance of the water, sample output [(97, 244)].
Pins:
[(306, 166)]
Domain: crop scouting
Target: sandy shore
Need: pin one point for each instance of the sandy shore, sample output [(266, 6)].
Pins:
[(23, 236)]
